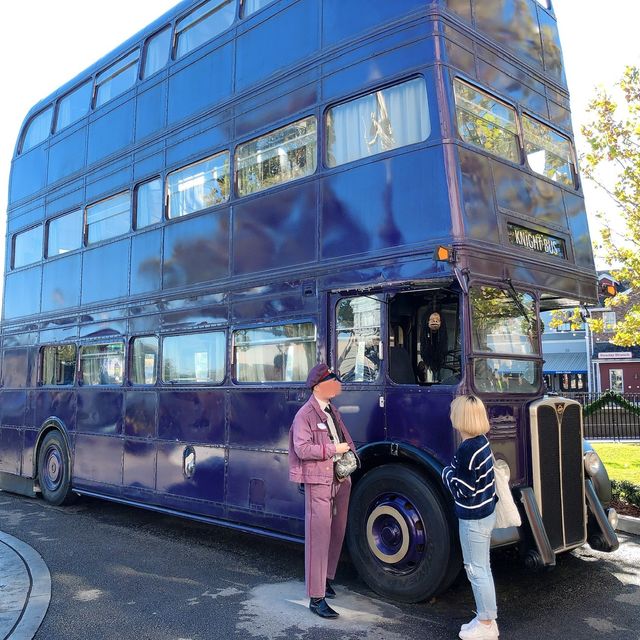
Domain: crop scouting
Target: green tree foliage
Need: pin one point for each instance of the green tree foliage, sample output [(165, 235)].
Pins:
[(613, 163)]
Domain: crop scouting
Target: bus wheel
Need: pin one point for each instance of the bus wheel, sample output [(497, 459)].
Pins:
[(398, 534), (54, 470)]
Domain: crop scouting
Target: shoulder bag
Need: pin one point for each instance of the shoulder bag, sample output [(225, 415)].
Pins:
[(507, 514)]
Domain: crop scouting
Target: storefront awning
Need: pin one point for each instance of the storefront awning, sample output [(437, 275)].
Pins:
[(565, 363)]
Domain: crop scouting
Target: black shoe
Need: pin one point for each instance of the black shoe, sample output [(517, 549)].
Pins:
[(320, 607), (329, 591)]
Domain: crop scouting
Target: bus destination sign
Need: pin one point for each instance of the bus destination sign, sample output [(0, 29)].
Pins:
[(536, 241)]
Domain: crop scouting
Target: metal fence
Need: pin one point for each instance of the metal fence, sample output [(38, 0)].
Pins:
[(609, 416)]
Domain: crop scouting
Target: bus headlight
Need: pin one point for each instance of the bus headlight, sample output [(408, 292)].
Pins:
[(612, 516), (591, 463)]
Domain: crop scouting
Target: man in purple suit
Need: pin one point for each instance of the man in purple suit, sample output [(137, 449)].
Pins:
[(317, 437)]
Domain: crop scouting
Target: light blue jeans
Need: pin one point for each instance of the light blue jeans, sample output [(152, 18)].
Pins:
[(475, 540)]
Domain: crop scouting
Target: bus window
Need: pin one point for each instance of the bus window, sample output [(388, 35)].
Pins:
[(283, 353), (548, 153), (73, 106), (156, 52), (37, 130), (283, 155), (117, 78), (108, 218), (27, 247), (148, 203), (358, 333), (198, 186), (102, 364), (485, 122), (204, 23), (194, 358), (64, 233), (380, 121), (251, 6), (58, 364), (424, 338), (144, 360)]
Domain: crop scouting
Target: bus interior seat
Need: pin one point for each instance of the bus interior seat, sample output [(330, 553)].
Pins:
[(400, 369)]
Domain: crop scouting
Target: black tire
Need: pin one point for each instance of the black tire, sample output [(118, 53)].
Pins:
[(399, 537), (54, 470)]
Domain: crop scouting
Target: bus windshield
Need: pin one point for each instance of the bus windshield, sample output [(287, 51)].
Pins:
[(504, 322)]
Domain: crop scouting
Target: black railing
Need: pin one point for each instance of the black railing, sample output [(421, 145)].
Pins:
[(608, 415)]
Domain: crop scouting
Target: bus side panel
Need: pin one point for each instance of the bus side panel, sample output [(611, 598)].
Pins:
[(140, 420), (11, 439), (258, 482)]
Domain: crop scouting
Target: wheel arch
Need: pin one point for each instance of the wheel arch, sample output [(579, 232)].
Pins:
[(51, 424)]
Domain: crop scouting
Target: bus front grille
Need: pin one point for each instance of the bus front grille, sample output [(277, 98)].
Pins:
[(558, 475)]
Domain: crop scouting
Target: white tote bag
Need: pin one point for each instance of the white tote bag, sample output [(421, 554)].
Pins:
[(507, 514)]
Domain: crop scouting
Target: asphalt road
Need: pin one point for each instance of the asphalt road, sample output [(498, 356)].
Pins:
[(128, 574)]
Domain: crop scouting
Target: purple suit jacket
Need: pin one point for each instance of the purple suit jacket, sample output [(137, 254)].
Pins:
[(310, 447)]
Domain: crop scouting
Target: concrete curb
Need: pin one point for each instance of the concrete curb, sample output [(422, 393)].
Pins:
[(25, 589), (628, 524)]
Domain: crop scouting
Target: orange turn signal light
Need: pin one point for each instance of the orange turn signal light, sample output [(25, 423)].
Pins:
[(443, 254), (609, 290)]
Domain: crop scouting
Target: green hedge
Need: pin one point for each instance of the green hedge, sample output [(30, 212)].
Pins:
[(609, 397), (626, 491)]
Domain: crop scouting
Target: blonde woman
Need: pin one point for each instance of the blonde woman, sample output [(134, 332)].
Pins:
[(471, 481)]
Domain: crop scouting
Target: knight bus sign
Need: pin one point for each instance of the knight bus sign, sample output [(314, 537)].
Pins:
[(184, 245)]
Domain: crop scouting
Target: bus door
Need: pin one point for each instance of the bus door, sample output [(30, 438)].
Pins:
[(355, 344), (423, 367)]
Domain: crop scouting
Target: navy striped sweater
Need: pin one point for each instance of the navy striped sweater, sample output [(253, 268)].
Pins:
[(471, 480)]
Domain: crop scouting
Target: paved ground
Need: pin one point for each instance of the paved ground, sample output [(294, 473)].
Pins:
[(127, 574)]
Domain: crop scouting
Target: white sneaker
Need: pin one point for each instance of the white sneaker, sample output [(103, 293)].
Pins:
[(475, 630), (464, 627)]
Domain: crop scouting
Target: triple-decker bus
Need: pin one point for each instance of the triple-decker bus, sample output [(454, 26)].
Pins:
[(247, 187)]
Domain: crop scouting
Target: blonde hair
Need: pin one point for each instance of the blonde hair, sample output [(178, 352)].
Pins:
[(468, 415)]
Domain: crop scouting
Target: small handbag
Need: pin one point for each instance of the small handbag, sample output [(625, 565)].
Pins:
[(507, 514), (345, 465)]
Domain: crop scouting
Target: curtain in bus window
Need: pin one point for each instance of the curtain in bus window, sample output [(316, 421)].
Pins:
[(102, 364), (117, 78), (251, 6), (148, 203), (64, 234), (199, 186), (108, 218), (157, 52), (358, 331), (384, 120), (144, 360), (73, 106), (37, 130), (194, 358), (59, 364), (203, 24), (283, 353)]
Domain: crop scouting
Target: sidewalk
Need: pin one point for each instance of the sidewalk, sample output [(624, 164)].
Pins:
[(25, 589)]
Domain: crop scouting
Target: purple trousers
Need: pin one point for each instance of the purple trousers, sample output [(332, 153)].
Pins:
[(325, 508)]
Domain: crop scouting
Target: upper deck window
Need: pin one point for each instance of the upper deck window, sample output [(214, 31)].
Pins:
[(548, 152), (284, 353), (64, 233), (117, 78), (108, 218), (148, 203), (37, 130), (27, 247), (199, 186), (204, 23), (102, 364), (194, 358), (156, 52), (251, 6), (283, 155), (380, 121), (73, 106), (58, 364), (485, 122)]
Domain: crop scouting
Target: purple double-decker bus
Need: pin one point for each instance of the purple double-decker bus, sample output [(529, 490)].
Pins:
[(247, 187)]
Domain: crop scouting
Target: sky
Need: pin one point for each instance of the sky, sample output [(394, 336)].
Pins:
[(44, 44)]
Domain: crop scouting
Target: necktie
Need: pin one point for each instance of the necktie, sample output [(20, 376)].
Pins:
[(336, 424)]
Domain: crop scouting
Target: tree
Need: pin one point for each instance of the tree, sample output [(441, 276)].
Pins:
[(613, 163)]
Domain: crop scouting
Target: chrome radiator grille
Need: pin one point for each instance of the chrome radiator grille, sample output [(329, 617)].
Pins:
[(558, 472)]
